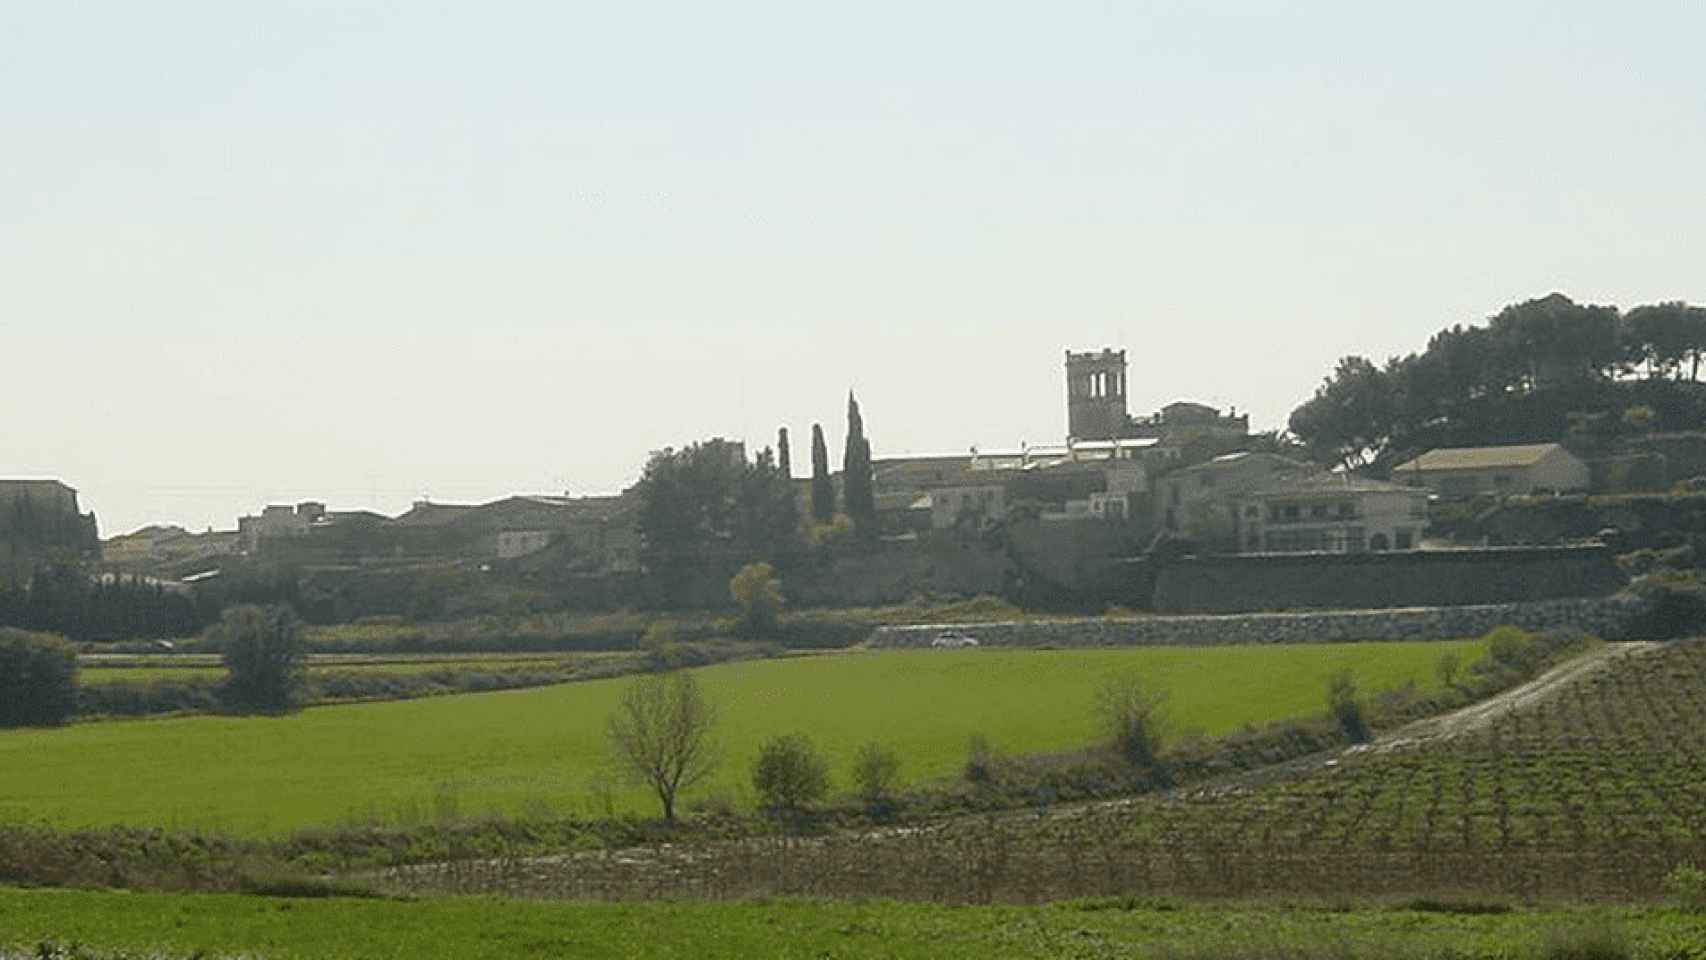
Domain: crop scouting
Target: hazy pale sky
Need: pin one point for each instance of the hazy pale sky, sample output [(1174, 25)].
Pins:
[(257, 252)]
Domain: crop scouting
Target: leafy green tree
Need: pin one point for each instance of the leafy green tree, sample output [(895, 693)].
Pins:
[(38, 679), (1666, 337), (266, 658), (823, 489), (767, 517), (789, 774), (758, 592), (706, 507), (856, 481), (784, 457), (1554, 339), (661, 733), (1351, 417)]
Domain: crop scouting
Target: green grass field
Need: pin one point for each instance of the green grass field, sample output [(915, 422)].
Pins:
[(471, 929), (538, 750)]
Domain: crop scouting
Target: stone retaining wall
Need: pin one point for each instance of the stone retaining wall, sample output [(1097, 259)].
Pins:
[(1399, 578), (1603, 616)]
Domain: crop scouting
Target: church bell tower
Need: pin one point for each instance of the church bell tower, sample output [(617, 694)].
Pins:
[(1095, 395)]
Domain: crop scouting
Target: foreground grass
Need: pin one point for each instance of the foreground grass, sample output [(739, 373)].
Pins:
[(543, 750), (472, 928)]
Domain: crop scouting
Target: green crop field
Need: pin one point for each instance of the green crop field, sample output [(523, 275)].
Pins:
[(472, 928), (544, 749)]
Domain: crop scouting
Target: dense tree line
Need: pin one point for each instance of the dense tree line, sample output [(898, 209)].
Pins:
[(64, 599), (1519, 377)]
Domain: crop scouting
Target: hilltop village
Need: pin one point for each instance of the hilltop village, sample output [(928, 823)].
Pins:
[(1123, 510)]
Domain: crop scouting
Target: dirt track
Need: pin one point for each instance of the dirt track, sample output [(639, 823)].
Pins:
[(1478, 715)]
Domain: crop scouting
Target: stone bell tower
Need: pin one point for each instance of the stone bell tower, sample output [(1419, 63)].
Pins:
[(1095, 395)]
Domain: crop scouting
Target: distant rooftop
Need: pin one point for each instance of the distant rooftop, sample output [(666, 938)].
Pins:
[(1481, 458), (1333, 483)]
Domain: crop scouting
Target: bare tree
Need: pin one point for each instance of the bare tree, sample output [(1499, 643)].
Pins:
[(661, 731)]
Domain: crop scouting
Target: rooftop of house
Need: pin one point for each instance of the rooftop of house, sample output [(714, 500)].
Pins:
[(1243, 458), (427, 514), (1481, 458), (1328, 483)]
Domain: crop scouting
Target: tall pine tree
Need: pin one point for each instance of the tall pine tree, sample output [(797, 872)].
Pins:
[(784, 459), (823, 490), (856, 488)]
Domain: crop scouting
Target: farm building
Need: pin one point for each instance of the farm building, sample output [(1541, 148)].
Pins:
[(1461, 472)]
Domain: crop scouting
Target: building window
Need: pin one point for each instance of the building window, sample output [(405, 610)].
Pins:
[(1402, 539), (1346, 509), (1291, 511), (1318, 511)]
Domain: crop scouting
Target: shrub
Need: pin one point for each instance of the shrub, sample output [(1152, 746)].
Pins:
[(1128, 713), (1447, 669), (1686, 884), (837, 531), (659, 644), (789, 773), (980, 760), (38, 679), (876, 767), (1511, 647), (1344, 706), (759, 594), (266, 658)]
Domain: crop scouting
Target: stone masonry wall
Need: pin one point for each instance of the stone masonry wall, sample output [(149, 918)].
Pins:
[(1407, 578), (1606, 617)]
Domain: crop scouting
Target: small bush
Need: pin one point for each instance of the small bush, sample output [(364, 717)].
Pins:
[(661, 646), (759, 593), (266, 657), (876, 768), (1686, 884), (1448, 668), (1511, 647), (980, 760), (789, 774), (1344, 706), (1129, 715), (38, 679)]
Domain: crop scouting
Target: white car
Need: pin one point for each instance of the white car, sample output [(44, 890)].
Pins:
[(953, 640)]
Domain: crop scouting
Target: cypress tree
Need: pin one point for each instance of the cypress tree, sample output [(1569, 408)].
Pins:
[(823, 492), (784, 459), (856, 489)]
